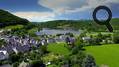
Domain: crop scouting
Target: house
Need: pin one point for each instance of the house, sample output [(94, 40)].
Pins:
[(15, 50), (3, 55), (44, 42), (8, 48), (6, 65), (19, 48), (1, 31), (86, 38), (70, 41), (51, 40), (23, 64)]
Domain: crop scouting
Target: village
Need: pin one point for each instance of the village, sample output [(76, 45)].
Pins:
[(70, 41), (16, 44)]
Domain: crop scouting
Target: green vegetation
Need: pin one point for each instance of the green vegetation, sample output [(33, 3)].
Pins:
[(88, 25), (2, 43), (105, 54), (37, 63), (33, 30), (21, 30), (61, 54), (7, 19), (13, 27), (58, 49)]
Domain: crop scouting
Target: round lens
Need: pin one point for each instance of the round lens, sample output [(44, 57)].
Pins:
[(102, 15)]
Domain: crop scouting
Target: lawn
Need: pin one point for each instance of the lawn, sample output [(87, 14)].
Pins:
[(105, 55), (58, 49)]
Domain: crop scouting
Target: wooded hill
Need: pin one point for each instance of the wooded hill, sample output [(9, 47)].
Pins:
[(89, 25), (7, 19)]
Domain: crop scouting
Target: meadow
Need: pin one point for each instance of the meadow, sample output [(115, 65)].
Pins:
[(58, 49), (105, 55)]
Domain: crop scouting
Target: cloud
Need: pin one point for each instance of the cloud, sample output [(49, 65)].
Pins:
[(36, 16), (67, 6), (62, 5)]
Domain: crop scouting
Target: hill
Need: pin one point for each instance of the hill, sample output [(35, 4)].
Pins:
[(7, 19), (79, 24)]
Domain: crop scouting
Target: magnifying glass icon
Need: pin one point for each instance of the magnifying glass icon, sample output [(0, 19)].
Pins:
[(103, 22)]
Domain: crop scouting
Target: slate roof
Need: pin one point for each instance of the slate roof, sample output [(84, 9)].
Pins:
[(6, 65), (24, 48), (2, 56)]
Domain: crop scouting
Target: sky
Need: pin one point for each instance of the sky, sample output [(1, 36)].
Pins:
[(48, 10)]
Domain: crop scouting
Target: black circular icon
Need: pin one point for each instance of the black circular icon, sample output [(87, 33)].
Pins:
[(103, 22)]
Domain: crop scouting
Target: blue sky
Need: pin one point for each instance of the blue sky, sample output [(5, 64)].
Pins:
[(46, 10)]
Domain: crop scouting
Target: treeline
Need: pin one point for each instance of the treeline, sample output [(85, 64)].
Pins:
[(7, 19), (79, 24)]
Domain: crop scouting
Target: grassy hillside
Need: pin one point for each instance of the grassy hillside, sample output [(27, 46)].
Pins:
[(7, 19), (105, 55)]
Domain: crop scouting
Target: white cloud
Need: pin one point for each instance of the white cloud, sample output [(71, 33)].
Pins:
[(65, 6), (36, 16), (62, 5)]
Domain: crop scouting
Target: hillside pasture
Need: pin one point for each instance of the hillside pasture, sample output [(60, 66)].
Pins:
[(105, 55)]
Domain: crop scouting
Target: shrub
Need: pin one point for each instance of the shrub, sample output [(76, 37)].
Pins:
[(88, 61), (37, 63)]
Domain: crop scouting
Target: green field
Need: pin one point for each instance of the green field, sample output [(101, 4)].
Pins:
[(58, 49), (105, 55)]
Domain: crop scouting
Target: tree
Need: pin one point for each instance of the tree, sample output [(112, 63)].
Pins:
[(44, 49), (16, 64), (2, 43), (37, 63), (82, 34), (13, 58), (115, 38), (75, 50), (88, 61), (70, 34), (100, 35)]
